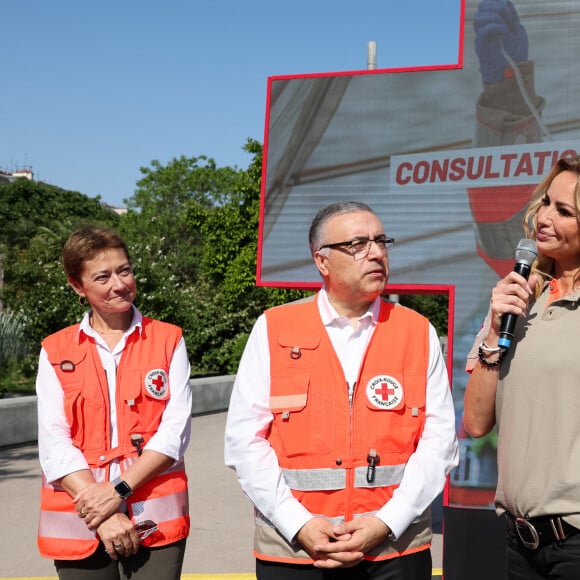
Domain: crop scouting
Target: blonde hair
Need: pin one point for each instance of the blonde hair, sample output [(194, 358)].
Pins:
[(545, 266)]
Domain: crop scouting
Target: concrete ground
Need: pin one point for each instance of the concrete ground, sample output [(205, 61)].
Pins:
[(220, 542)]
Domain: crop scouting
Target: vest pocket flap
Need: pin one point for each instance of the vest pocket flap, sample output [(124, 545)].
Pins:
[(416, 390), (296, 340), (68, 361), (133, 383), (289, 392)]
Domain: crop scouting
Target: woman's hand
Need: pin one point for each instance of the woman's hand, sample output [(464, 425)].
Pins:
[(511, 295), (119, 536), (97, 502)]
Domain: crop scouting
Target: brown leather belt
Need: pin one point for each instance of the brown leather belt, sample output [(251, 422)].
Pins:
[(536, 532)]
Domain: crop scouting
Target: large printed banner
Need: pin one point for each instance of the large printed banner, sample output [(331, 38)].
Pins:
[(447, 157), (498, 182)]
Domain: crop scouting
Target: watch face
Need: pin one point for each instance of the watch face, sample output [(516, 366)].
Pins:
[(123, 489)]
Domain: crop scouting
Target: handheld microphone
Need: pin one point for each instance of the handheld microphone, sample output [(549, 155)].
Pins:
[(526, 252)]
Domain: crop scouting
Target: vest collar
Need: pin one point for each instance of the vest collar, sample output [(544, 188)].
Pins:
[(329, 315), (86, 329)]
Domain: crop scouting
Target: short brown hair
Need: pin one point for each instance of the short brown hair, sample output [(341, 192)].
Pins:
[(85, 244)]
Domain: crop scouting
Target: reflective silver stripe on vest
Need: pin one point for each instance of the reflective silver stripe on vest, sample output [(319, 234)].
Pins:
[(315, 479), (384, 476), (330, 479), (63, 525), (161, 509)]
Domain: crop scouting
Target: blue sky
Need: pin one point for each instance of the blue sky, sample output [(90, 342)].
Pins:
[(92, 91)]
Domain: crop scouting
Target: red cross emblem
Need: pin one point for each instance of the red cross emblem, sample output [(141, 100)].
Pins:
[(156, 383), (385, 392)]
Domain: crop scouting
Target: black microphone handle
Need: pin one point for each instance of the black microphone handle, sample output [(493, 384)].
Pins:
[(523, 269), (508, 321)]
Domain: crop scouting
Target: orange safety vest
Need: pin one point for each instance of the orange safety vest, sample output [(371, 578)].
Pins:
[(343, 460), (142, 393)]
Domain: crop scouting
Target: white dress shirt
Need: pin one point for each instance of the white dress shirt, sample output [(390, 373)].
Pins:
[(248, 451), (58, 456)]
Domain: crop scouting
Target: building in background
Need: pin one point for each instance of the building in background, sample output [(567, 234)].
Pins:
[(10, 176)]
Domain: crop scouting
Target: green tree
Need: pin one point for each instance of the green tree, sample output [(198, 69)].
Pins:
[(192, 228), (39, 218), (13, 348), (192, 232), (26, 205), (434, 306)]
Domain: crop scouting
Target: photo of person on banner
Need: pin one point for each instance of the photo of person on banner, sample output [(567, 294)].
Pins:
[(508, 112)]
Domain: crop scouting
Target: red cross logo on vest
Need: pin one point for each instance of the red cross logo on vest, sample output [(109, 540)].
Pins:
[(385, 392), (156, 383)]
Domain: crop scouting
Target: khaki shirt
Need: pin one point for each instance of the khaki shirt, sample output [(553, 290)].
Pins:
[(538, 412)]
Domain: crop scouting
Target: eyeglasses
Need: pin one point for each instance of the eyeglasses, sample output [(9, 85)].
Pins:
[(359, 248), (145, 529)]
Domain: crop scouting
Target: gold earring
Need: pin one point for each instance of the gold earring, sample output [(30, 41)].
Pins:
[(82, 301)]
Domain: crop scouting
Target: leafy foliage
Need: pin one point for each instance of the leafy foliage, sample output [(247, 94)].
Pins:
[(26, 207), (192, 232), (39, 218), (13, 347), (433, 306), (192, 229)]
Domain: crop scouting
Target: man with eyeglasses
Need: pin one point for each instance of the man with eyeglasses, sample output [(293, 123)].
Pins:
[(341, 426)]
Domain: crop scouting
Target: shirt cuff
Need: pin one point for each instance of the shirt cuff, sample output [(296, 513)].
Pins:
[(289, 519), (397, 515), (161, 444)]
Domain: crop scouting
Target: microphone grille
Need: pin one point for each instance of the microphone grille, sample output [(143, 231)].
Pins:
[(526, 251)]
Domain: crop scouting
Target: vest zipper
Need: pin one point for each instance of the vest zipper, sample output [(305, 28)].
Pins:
[(350, 393), (350, 470)]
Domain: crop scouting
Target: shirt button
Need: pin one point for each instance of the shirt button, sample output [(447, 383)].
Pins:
[(102, 458), (339, 461)]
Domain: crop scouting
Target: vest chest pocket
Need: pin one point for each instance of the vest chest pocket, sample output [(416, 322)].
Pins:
[(293, 432), (70, 368), (296, 350), (134, 385), (142, 396), (395, 413), (288, 393)]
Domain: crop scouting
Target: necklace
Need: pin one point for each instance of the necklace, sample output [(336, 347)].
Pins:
[(109, 331)]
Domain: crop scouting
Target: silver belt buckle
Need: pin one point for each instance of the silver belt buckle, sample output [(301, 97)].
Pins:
[(523, 524)]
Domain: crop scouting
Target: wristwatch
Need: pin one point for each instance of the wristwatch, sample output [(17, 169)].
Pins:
[(122, 488)]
